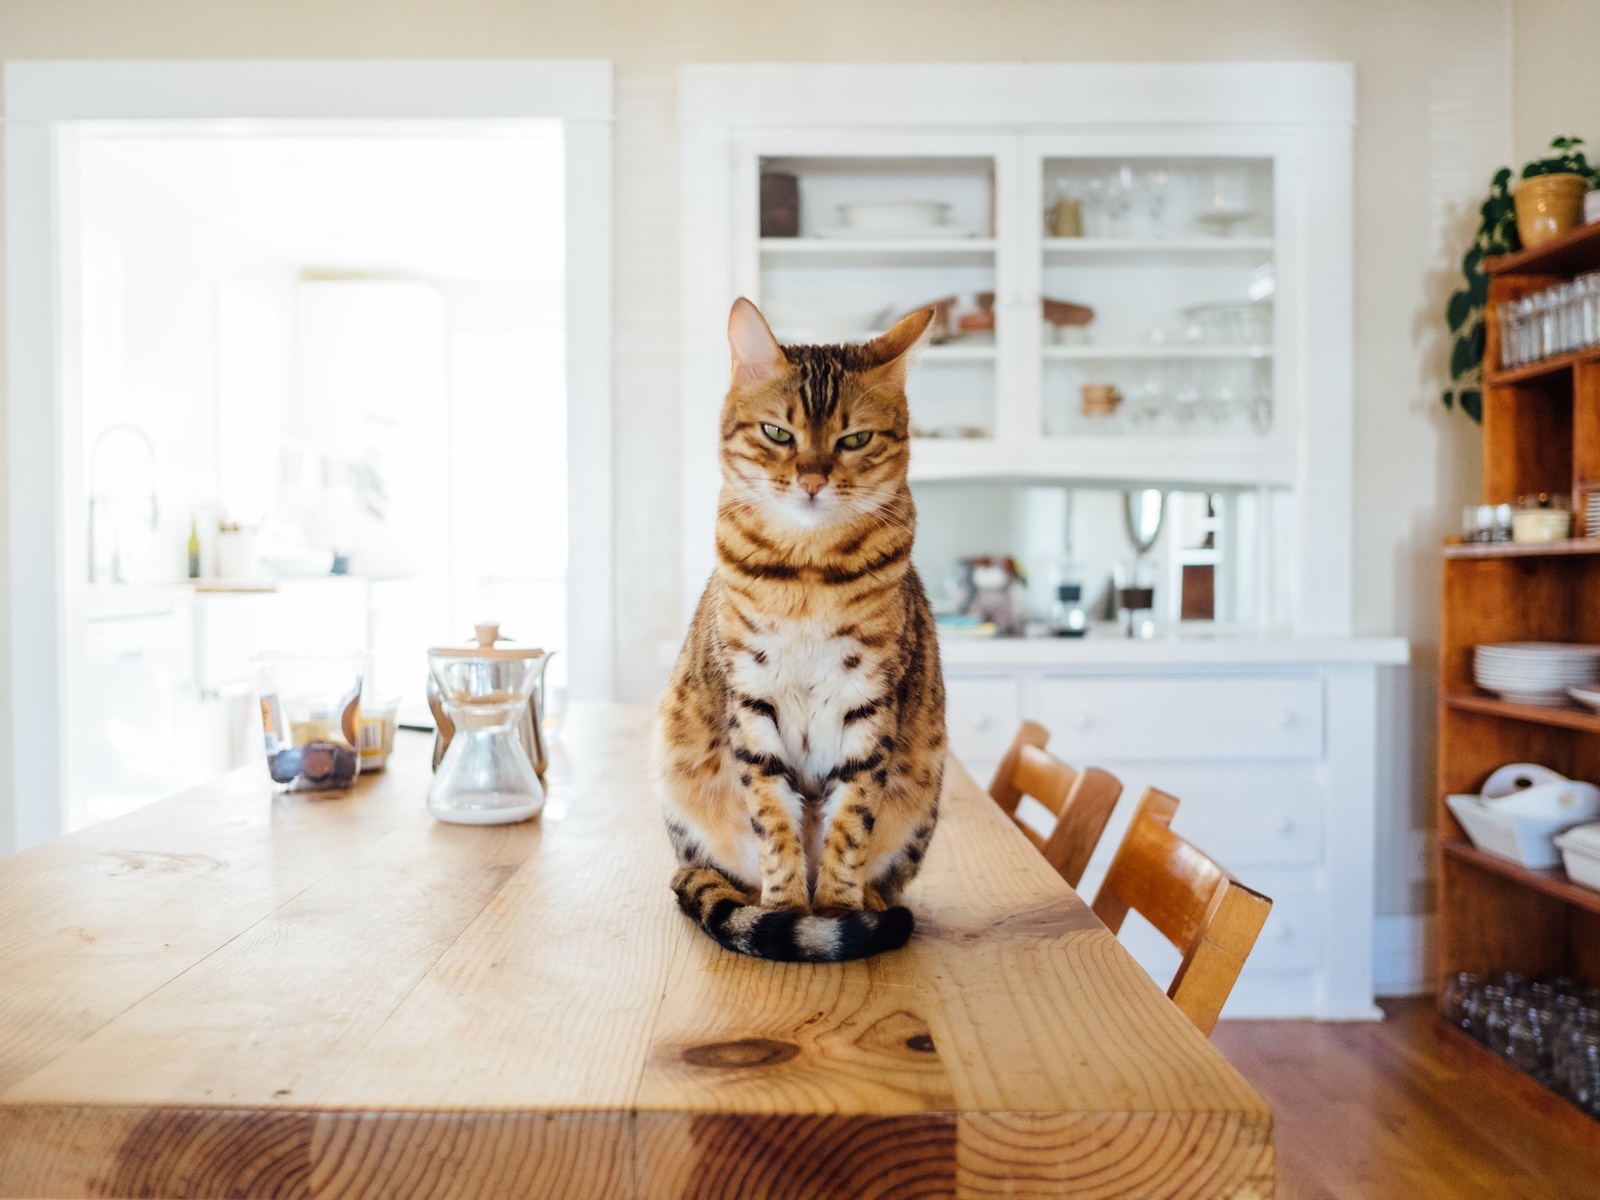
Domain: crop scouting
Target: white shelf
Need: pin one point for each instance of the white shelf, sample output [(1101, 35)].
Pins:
[(1254, 249), (1141, 353), (875, 252)]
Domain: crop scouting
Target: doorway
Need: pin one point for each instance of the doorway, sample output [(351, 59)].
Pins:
[(342, 368)]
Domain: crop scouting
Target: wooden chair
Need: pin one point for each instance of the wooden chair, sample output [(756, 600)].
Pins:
[(1081, 800), (1210, 917)]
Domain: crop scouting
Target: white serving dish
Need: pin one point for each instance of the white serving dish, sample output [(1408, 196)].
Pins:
[(1525, 840), (1562, 799), (1580, 854), (1517, 777), (893, 215)]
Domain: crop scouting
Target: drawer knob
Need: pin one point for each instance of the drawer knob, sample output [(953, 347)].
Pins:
[(1288, 719), (1083, 721), (1285, 932), (983, 721), (1283, 825)]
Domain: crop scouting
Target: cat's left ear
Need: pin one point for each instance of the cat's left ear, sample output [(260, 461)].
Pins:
[(898, 350), (757, 357)]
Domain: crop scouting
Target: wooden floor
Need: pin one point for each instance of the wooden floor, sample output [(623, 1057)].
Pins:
[(1368, 1111)]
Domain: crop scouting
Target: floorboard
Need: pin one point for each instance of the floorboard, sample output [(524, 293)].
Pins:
[(1374, 1110)]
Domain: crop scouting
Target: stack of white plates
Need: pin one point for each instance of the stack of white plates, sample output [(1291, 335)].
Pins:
[(1535, 672), (1591, 519)]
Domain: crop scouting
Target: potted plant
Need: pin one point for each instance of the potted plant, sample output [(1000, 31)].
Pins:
[(1549, 200), (1498, 233)]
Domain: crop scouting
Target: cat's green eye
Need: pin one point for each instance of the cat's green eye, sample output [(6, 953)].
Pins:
[(782, 436), (855, 441)]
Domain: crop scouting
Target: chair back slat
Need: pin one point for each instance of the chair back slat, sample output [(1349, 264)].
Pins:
[(1004, 787), (1081, 801), (1209, 917), (1044, 777)]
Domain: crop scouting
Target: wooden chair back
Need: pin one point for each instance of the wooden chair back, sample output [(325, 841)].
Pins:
[(1209, 916), (1080, 800)]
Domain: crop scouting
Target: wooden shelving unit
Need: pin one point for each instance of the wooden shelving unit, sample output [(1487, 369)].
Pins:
[(1541, 433)]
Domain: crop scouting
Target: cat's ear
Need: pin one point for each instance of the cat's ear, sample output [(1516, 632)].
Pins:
[(757, 357), (897, 350)]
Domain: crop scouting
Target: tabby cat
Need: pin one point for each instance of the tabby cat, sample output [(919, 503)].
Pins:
[(802, 737)]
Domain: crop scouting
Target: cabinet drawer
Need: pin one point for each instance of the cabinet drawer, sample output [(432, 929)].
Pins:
[(981, 714), (1156, 718), (1242, 815)]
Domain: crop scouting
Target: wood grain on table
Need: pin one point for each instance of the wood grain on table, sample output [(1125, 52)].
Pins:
[(231, 993)]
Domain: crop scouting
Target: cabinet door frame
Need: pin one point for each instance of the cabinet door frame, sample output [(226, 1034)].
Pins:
[(1304, 111)]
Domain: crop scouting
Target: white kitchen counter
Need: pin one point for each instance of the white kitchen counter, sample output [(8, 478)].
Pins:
[(1109, 648)]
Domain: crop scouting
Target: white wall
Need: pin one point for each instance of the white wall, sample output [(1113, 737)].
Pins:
[(1434, 94)]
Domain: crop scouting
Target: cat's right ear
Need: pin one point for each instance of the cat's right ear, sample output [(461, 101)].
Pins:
[(757, 357)]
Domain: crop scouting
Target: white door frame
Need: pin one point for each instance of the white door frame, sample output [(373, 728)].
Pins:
[(39, 96)]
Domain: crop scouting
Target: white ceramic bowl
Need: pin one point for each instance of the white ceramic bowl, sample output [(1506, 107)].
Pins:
[(1566, 799), (1527, 840), (893, 215)]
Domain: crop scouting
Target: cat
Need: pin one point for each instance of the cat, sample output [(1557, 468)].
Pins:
[(801, 740)]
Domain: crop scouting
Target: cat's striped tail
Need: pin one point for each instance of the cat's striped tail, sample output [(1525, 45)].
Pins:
[(723, 910)]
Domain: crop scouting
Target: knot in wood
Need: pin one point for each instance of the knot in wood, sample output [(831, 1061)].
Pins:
[(746, 1052)]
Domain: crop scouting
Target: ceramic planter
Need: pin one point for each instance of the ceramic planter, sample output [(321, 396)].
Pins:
[(1548, 206)]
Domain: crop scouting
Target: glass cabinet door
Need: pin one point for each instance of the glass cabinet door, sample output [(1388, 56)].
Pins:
[(1159, 284), (852, 240)]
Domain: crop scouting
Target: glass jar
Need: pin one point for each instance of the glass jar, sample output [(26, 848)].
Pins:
[(1459, 992), (1491, 997), (1528, 1042)]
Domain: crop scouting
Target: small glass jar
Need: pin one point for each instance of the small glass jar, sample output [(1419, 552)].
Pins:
[(1489, 999), (1528, 1043), (1459, 992)]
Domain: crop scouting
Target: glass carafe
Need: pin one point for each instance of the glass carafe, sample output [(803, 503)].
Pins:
[(485, 777)]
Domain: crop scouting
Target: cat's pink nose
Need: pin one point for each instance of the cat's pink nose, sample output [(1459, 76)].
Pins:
[(813, 484)]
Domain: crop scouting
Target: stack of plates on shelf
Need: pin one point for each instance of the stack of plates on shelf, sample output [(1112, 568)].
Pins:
[(1535, 672), (1591, 518)]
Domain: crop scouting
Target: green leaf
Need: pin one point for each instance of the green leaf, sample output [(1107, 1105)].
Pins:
[(1473, 262), (1472, 404), (1458, 310), (1462, 357), (1448, 398)]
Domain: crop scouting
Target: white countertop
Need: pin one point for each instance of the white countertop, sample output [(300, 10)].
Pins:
[(1107, 648)]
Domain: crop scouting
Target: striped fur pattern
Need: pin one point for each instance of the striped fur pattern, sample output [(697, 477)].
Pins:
[(802, 736)]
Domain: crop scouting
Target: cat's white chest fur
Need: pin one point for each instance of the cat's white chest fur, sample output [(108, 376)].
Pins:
[(805, 679)]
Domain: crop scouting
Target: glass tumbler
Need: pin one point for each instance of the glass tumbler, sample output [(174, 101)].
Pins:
[(486, 776), (311, 718), (1459, 990)]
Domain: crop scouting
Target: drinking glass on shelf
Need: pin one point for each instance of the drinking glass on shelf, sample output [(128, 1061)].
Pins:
[(1459, 990), (1590, 314), (1507, 314), (1490, 998), (1544, 311), (1528, 1042)]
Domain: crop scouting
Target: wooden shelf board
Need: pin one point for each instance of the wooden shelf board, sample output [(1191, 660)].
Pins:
[(1552, 881), (1568, 254), (1565, 548), (1581, 719), (1544, 368), (1530, 1092)]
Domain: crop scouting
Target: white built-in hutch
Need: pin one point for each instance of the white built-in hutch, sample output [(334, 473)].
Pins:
[(1202, 215)]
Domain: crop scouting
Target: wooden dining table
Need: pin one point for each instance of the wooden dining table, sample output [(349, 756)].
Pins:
[(239, 993)]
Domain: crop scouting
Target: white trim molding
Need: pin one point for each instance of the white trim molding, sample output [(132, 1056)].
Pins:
[(43, 100), (1403, 958)]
